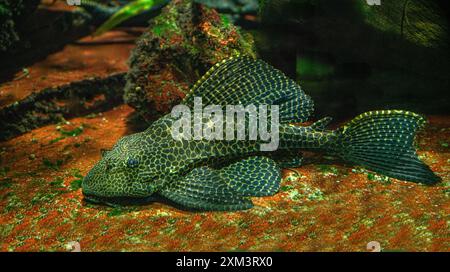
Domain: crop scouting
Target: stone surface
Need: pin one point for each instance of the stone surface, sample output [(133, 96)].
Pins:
[(83, 78)]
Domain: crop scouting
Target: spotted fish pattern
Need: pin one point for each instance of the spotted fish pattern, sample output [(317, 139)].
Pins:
[(223, 174)]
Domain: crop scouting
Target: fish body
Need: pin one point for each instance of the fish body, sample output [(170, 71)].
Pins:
[(212, 174)]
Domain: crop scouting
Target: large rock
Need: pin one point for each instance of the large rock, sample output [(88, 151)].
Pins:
[(178, 47)]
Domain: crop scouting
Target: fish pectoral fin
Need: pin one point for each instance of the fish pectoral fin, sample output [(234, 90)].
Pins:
[(204, 189), (253, 176)]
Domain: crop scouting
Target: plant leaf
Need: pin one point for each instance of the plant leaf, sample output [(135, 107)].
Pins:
[(129, 10)]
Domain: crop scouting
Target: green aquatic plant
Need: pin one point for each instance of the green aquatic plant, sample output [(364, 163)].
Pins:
[(307, 66), (71, 133), (43, 197), (67, 133), (58, 182), (76, 184), (128, 11), (4, 171), (14, 202), (6, 183), (116, 211), (52, 165), (327, 170)]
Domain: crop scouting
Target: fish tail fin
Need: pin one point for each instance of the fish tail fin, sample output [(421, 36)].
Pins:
[(383, 141)]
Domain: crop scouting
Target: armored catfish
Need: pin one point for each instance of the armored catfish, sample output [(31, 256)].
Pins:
[(223, 174)]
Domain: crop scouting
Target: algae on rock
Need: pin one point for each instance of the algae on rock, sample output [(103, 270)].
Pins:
[(180, 45)]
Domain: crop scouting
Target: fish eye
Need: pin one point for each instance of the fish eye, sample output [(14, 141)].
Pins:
[(132, 163)]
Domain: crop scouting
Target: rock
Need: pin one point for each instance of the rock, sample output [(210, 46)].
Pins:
[(235, 10), (179, 46), (29, 33), (51, 105), (12, 16)]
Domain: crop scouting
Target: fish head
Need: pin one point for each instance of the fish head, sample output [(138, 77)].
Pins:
[(120, 173)]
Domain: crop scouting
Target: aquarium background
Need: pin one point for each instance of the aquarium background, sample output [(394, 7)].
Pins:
[(66, 94)]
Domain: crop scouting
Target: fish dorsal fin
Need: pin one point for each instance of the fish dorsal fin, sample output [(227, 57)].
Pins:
[(244, 80)]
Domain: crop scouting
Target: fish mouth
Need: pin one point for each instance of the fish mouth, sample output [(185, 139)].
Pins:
[(119, 201)]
